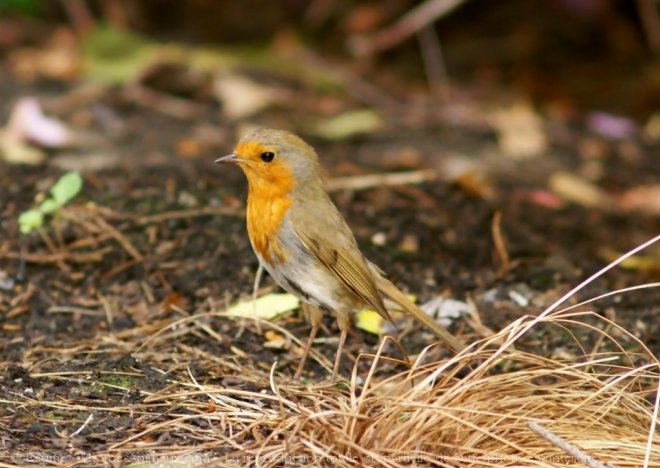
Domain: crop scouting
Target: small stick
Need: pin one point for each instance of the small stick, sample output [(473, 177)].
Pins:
[(193, 213), (108, 311), (119, 237), (84, 425), (572, 450), (163, 103), (79, 14), (500, 246), (380, 180), (648, 15), (119, 268), (434, 64), (412, 22), (75, 257)]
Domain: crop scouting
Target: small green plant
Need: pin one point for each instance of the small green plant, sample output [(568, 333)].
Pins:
[(66, 188)]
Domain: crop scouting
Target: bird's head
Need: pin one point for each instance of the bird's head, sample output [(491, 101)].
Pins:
[(275, 158)]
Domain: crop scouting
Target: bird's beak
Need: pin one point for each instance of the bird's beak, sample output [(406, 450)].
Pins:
[(230, 158)]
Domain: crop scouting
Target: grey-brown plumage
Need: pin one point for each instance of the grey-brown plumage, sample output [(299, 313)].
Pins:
[(302, 240)]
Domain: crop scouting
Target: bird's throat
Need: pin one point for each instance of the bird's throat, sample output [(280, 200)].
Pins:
[(266, 207)]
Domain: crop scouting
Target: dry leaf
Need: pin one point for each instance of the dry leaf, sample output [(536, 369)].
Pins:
[(369, 321), (242, 97), (348, 124), (275, 341), (266, 307), (645, 198), (445, 310), (578, 190), (28, 124), (520, 131), (611, 126)]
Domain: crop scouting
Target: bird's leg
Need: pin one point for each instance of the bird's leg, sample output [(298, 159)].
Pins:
[(314, 316), (344, 322)]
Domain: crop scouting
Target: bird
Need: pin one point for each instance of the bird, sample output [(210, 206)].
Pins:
[(304, 243)]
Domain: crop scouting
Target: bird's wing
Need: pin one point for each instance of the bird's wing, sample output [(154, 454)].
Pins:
[(349, 267)]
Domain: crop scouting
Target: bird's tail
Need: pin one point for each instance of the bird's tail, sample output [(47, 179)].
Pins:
[(390, 290)]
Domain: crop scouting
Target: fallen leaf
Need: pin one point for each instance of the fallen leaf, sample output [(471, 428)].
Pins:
[(16, 152), (445, 310), (611, 126), (647, 262), (369, 321), (188, 148), (578, 190), (474, 185), (28, 124), (544, 198), (644, 198), (520, 132), (409, 243), (265, 307), (242, 97), (275, 341), (59, 59), (372, 322), (348, 124), (652, 127)]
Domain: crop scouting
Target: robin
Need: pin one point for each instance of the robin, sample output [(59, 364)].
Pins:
[(303, 241)]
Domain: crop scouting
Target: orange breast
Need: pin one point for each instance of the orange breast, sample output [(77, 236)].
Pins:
[(268, 201), (264, 218)]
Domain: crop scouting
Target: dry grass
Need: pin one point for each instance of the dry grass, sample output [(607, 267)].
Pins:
[(471, 410), (484, 407), (458, 413)]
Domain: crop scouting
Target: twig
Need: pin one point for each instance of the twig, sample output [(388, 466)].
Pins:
[(108, 310), (84, 425), (121, 267), (648, 15), (412, 22), (114, 12), (74, 310), (192, 213), (434, 65), (79, 15), (75, 257), (359, 88), (558, 442), (120, 238), (380, 180), (500, 246), (88, 241), (163, 103)]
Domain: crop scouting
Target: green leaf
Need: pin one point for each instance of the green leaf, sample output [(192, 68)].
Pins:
[(66, 188), (49, 205), (29, 220)]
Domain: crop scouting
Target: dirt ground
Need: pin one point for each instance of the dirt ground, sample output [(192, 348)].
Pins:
[(125, 304)]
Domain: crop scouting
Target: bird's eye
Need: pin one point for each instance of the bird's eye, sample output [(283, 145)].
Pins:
[(267, 156)]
